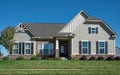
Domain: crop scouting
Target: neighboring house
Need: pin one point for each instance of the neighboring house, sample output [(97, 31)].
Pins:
[(83, 35), (117, 51)]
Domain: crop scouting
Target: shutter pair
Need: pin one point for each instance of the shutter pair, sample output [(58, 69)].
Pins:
[(22, 47), (89, 30), (89, 47), (97, 47)]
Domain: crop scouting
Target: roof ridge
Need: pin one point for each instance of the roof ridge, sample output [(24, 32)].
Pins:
[(41, 23)]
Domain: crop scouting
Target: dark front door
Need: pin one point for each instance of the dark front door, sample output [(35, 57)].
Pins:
[(62, 50)]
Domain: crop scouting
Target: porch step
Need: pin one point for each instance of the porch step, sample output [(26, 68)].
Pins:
[(63, 58)]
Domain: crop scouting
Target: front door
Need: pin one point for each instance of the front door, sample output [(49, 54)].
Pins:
[(62, 50)]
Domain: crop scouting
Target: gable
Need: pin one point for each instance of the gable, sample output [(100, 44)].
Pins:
[(103, 25), (75, 22), (22, 33)]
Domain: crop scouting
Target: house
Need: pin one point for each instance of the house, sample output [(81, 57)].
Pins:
[(83, 35), (117, 51)]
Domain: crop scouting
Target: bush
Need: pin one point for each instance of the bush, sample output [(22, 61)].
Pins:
[(100, 58), (83, 58), (110, 58), (33, 58), (20, 58), (117, 58), (92, 58), (5, 58)]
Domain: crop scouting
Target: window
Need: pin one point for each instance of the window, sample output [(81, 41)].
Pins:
[(15, 48), (27, 48), (93, 30), (102, 47), (84, 47), (46, 48)]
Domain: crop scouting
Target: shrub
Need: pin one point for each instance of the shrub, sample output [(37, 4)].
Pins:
[(117, 58), (20, 58), (100, 58), (92, 58), (33, 58), (5, 58), (83, 58), (110, 58)]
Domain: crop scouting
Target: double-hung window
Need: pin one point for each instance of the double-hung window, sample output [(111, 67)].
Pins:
[(15, 48), (101, 47), (27, 48), (84, 47)]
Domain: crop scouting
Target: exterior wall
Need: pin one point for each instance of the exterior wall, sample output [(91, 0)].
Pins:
[(22, 36), (81, 33), (74, 23)]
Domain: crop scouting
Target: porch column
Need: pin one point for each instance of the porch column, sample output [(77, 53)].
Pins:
[(57, 48)]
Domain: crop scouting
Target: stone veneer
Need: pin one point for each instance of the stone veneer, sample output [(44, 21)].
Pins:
[(24, 56), (88, 56)]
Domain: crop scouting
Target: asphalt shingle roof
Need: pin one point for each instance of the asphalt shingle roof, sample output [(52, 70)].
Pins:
[(45, 30)]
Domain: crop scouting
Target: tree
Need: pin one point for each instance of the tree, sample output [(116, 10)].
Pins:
[(6, 38)]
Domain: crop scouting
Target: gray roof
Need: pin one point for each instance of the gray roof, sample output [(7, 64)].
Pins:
[(92, 18), (44, 30)]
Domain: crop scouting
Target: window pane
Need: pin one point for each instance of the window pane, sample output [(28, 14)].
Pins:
[(102, 51), (45, 46), (93, 30), (45, 52), (27, 45), (85, 50), (102, 44), (15, 45), (40, 45), (15, 51), (84, 44), (51, 48), (27, 51)]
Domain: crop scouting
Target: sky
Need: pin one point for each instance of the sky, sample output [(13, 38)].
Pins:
[(12, 12)]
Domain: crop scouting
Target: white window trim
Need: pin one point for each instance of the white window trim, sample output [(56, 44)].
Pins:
[(42, 49), (94, 30), (25, 47), (85, 47), (14, 48)]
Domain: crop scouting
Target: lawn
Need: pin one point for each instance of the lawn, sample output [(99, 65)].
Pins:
[(85, 67)]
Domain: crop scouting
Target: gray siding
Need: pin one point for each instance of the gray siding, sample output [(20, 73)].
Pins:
[(81, 33), (22, 36)]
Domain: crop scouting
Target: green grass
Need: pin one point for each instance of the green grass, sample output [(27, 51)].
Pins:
[(87, 67)]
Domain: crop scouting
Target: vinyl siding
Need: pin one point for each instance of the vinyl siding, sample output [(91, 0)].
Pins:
[(81, 33), (73, 24)]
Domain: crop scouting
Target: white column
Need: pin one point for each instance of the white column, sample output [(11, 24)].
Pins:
[(57, 48)]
